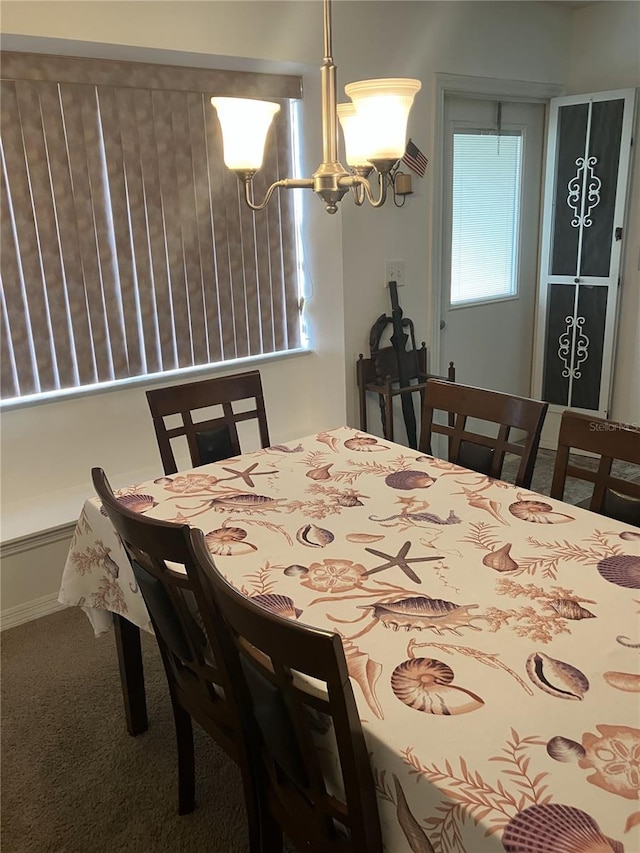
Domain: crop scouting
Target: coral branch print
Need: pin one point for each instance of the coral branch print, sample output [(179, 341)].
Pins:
[(488, 659), (97, 556), (590, 552), (261, 582), (469, 794)]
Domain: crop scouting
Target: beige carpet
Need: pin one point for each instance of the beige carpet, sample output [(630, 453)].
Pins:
[(73, 780)]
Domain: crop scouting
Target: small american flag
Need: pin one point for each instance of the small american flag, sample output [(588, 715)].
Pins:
[(415, 159)]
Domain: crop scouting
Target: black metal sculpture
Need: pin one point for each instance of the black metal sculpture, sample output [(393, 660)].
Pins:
[(407, 360)]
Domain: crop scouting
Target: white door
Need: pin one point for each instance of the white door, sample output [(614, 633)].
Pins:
[(492, 180), (583, 232)]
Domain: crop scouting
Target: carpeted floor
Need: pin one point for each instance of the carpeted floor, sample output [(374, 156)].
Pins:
[(73, 781)]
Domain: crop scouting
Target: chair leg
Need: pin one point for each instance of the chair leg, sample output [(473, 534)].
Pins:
[(271, 837), (186, 760)]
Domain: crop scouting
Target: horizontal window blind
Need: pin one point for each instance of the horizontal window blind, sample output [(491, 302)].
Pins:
[(485, 215), (125, 246)]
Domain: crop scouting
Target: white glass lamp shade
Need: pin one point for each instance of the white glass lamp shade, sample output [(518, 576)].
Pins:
[(356, 140), (245, 124), (383, 106)]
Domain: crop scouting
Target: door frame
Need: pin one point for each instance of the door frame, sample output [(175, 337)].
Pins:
[(620, 218), (481, 87)]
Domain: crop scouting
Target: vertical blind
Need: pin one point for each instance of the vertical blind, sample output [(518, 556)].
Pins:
[(126, 248), (485, 215)]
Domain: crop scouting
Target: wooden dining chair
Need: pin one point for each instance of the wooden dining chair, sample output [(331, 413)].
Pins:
[(470, 448), (302, 702), (197, 651), (612, 495), (216, 437)]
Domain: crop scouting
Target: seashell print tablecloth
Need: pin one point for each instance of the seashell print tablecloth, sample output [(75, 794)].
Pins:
[(491, 633)]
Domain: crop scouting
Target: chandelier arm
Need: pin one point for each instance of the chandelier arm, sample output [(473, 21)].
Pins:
[(358, 194), (366, 186), (285, 183)]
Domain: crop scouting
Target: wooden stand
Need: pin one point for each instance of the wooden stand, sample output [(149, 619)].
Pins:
[(380, 376)]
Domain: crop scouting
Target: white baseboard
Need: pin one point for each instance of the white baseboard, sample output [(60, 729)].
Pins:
[(28, 611)]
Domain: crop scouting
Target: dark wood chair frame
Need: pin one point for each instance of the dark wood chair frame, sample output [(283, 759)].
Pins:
[(610, 440), (473, 450), (276, 655), (379, 375), (220, 391), (197, 663)]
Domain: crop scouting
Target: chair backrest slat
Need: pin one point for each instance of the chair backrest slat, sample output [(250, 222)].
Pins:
[(215, 438), (472, 449), (611, 442), (298, 682), (196, 649)]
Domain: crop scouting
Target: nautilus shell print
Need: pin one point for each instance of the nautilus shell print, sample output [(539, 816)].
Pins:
[(556, 828), (556, 677), (425, 684), (538, 512), (622, 570), (364, 443), (228, 542)]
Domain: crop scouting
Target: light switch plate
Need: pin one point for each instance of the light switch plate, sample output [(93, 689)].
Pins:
[(395, 272)]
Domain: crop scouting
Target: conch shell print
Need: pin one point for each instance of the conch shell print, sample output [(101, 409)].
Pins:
[(425, 685), (500, 560), (419, 612)]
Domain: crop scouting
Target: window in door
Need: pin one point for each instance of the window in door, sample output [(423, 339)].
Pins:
[(485, 215)]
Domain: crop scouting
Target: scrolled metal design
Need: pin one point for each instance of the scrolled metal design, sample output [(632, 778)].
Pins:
[(593, 185), (582, 347), (581, 351)]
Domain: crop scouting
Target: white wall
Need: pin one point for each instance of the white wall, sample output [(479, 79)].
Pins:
[(48, 450), (605, 54)]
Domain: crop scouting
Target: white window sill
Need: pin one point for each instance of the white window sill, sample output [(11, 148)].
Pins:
[(149, 380)]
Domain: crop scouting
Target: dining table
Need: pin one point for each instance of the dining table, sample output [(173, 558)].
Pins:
[(491, 633)]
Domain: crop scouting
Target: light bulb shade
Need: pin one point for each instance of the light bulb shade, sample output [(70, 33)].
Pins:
[(356, 140), (383, 107), (245, 124)]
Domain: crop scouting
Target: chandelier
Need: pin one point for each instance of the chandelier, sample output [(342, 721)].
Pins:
[(374, 125)]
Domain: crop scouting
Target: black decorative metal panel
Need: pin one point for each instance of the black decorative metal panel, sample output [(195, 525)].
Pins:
[(572, 132), (604, 154), (558, 345), (591, 318)]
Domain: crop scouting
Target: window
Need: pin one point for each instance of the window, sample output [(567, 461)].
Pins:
[(126, 248), (485, 216)]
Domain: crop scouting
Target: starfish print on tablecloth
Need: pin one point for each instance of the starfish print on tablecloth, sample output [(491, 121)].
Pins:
[(245, 475), (399, 560)]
